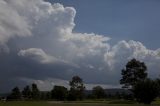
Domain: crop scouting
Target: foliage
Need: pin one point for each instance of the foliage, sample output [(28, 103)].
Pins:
[(15, 94), (45, 95), (35, 92), (77, 89), (98, 92), (27, 93), (134, 71), (146, 91), (59, 93), (158, 82)]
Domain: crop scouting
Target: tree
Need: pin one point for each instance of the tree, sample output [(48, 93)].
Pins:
[(134, 71), (59, 93), (35, 92), (158, 82), (77, 89), (98, 92), (45, 95), (15, 94), (27, 93), (146, 91), (118, 95)]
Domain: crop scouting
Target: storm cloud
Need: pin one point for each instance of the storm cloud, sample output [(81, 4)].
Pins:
[(38, 44)]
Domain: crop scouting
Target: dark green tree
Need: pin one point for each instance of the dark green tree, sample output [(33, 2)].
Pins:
[(146, 91), (35, 92), (134, 72), (48, 95), (117, 95), (15, 94), (98, 92), (76, 89), (45, 95), (158, 82), (27, 93), (59, 93)]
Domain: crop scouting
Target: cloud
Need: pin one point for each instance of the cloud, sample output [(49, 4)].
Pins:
[(87, 44), (47, 84), (11, 23), (40, 45), (38, 55), (124, 51)]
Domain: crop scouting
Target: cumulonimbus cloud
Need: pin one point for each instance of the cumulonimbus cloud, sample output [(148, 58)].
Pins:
[(41, 40)]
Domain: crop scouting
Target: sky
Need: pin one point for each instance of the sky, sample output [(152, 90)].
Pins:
[(119, 19), (48, 42)]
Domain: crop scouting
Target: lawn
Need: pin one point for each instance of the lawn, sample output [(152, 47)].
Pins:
[(83, 103)]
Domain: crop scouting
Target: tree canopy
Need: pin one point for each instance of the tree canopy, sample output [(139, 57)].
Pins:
[(133, 72), (27, 93), (146, 91), (35, 91), (98, 92), (15, 94), (76, 88), (59, 92)]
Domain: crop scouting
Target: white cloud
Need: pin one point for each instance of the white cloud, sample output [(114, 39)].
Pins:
[(38, 55), (11, 23), (87, 44), (132, 49), (124, 51)]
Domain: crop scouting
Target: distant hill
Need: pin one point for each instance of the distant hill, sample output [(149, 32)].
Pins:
[(116, 90), (112, 91)]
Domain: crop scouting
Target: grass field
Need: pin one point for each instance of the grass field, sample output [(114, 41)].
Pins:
[(83, 103)]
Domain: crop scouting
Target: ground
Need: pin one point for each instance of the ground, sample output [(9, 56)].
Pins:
[(84, 103)]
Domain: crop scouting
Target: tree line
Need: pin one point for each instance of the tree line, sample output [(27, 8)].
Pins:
[(60, 93), (134, 79), (77, 91)]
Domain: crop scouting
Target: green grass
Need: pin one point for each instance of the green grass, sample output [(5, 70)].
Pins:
[(78, 103), (20, 103)]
